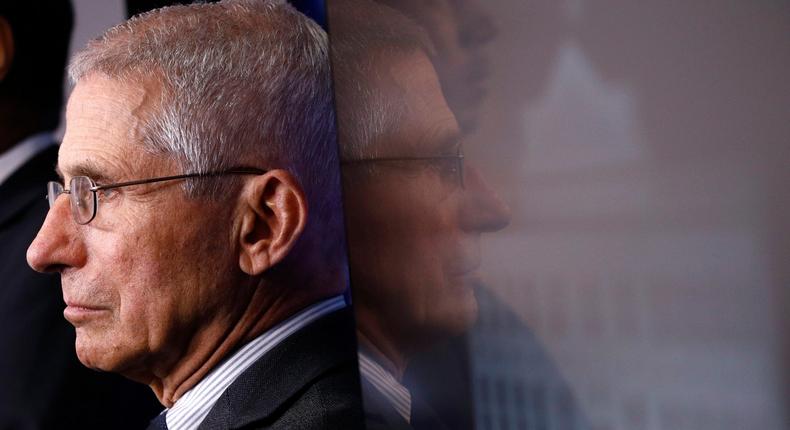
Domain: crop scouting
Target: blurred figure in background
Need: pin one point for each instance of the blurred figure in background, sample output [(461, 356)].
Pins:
[(391, 270), (44, 386), (415, 210), (535, 393)]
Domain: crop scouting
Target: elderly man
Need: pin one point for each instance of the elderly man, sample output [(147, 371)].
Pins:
[(199, 240), (414, 249)]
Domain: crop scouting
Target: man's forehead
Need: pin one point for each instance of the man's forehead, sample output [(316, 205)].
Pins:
[(103, 128), (96, 91), (428, 126)]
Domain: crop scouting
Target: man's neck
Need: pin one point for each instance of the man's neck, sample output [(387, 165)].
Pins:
[(220, 339)]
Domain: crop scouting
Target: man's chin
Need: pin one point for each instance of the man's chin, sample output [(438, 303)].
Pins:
[(465, 301), (465, 314), (114, 357), (93, 354), (87, 357), (453, 316)]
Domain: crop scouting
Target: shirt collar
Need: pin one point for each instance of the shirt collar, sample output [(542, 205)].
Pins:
[(193, 407), (398, 395)]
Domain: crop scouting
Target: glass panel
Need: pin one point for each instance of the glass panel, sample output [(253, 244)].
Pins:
[(642, 281)]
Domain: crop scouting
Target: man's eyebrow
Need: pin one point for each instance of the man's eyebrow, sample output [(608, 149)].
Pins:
[(85, 168), (449, 142)]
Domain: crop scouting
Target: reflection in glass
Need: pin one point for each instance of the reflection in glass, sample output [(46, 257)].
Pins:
[(642, 281)]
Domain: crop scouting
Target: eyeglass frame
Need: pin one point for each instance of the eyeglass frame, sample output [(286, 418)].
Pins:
[(459, 158), (97, 187)]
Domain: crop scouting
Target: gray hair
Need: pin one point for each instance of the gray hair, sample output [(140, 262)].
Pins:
[(364, 34), (243, 81)]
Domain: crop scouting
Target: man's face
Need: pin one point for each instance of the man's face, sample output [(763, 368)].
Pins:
[(413, 229), (146, 275)]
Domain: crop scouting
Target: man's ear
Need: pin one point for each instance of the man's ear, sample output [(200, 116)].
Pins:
[(273, 217), (6, 47)]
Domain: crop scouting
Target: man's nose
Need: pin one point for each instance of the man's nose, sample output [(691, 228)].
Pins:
[(482, 209), (56, 245)]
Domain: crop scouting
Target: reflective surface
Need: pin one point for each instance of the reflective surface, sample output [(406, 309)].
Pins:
[(642, 282)]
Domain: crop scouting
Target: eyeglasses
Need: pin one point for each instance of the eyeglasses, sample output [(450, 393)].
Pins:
[(455, 162), (85, 202)]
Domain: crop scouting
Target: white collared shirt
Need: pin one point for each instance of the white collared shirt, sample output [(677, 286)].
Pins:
[(22, 152), (191, 409), (398, 395)]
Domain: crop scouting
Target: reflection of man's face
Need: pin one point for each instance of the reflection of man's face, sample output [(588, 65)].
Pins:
[(413, 229), (147, 273)]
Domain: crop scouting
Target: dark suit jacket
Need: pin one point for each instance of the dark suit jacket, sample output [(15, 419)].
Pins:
[(380, 414), (442, 376), (42, 384), (309, 381)]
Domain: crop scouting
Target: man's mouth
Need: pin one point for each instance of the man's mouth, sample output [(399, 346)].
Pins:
[(77, 312), (472, 279), (468, 268), (468, 278)]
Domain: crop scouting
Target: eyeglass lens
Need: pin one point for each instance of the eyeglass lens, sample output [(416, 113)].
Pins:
[(82, 199)]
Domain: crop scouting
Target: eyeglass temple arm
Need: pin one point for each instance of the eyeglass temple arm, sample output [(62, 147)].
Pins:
[(240, 171)]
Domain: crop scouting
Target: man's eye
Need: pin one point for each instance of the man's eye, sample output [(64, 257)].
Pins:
[(106, 194), (446, 166)]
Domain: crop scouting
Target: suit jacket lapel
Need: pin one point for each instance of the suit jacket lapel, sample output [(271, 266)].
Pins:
[(271, 382), (27, 184)]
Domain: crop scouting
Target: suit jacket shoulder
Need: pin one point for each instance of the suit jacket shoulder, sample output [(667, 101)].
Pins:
[(309, 381)]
